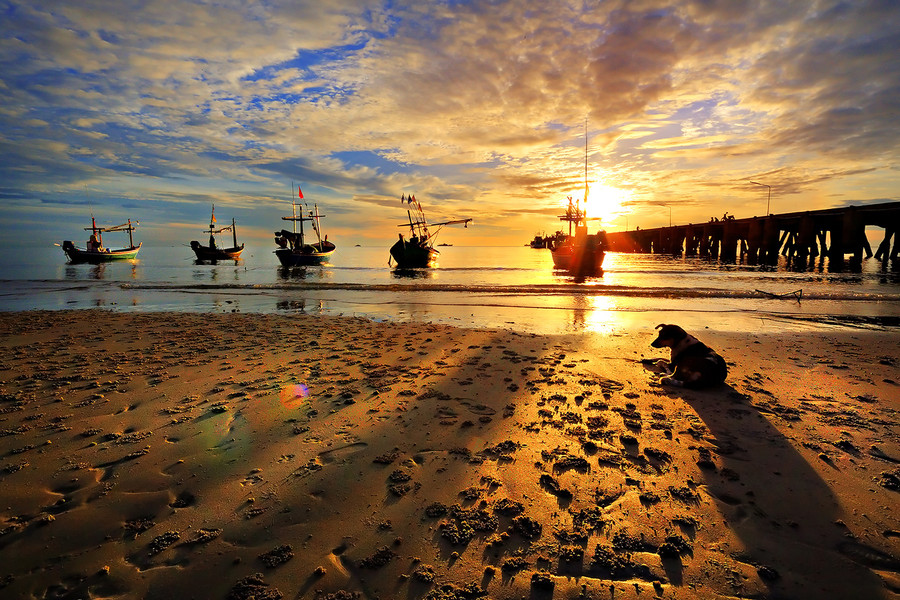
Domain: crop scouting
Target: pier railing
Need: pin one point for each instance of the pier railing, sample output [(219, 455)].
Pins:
[(835, 233)]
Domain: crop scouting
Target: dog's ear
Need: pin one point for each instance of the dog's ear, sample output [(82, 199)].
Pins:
[(661, 325)]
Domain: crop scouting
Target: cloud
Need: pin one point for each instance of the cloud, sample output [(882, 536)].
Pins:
[(472, 101)]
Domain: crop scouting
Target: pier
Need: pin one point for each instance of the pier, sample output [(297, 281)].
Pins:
[(800, 236)]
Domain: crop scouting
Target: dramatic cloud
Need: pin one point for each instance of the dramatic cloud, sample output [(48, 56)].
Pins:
[(472, 105)]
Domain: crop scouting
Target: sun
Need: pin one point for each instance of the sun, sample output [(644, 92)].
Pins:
[(605, 201)]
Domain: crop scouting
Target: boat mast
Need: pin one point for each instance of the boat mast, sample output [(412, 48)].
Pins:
[(316, 227), (421, 220), (234, 232), (130, 238), (301, 228), (97, 231), (585, 170)]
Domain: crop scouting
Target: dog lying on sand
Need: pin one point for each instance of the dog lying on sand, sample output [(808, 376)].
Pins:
[(693, 364)]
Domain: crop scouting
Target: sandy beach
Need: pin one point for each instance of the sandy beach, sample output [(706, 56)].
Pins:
[(260, 456)]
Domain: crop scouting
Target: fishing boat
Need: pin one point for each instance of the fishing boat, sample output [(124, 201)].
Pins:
[(95, 252), (293, 251), (582, 253), (418, 251), (213, 252), (539, 241)]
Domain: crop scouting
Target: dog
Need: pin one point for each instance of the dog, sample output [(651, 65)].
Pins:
[(693, 364)]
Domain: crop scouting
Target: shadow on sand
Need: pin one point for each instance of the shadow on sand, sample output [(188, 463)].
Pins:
[(784, 513)]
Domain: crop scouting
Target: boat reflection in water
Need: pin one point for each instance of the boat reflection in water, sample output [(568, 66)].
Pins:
[(302, 273), (399, 273), (98, 271)]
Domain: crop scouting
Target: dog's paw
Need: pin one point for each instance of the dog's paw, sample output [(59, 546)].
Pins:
[(670, 381), (662, 363)]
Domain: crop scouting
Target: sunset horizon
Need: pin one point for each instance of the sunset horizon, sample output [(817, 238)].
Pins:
[(682, 112)]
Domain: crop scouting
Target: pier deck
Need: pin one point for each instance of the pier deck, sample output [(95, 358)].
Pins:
[(800, 236)]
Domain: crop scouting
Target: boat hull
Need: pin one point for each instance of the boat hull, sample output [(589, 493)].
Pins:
[(413, 256), (78, 255), (581, 257), (213, 254), (307, 256)]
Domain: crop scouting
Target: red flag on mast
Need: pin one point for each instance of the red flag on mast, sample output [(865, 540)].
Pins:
[(299, 191)]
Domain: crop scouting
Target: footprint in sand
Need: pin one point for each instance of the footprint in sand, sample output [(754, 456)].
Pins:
[(479, 409), (253, 478), (337, 560), (869, 557), (342, 452)]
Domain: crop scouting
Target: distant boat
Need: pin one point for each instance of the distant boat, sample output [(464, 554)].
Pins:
[(293, 251), (539, 241), (418, 251), (582, 253), (95, 252), (213, 252)]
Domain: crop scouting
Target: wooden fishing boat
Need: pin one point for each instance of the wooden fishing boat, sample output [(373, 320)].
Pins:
[(293, 251), (539, 241), (95, 252), (213, 251), (582, 253), (418, 251)]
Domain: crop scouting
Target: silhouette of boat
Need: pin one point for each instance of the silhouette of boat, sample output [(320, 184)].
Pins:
[(293, 251), (213, 252), (581, 253), (418, 251)]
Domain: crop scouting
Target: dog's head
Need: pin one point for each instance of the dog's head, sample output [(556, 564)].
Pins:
[(669, 335)]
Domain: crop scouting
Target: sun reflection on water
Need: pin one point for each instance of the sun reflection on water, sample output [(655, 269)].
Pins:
[(595, 314)]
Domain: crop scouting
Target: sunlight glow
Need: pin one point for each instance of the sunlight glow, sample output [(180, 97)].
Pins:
[(606, 201)]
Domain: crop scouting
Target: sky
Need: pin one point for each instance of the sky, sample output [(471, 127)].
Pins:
[(156, 110)]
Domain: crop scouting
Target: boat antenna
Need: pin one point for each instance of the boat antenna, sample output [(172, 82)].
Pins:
[(293, 208), (421, 218), (315, 225), (585, 166)]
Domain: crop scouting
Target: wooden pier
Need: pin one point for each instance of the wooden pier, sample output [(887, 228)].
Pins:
[(800, 236)]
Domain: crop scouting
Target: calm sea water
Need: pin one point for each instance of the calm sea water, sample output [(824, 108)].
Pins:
[(506, 287)]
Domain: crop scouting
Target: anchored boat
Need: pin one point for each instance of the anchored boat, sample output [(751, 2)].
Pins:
[(581, 253), (95, 252), (418, 251), (213, 251), (293, 251)]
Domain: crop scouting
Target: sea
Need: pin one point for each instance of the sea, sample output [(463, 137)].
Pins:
[(512, 287)]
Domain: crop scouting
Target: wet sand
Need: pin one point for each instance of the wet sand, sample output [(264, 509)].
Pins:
[(259, 456)]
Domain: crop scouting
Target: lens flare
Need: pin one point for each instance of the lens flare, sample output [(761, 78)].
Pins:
[(293, 395)]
